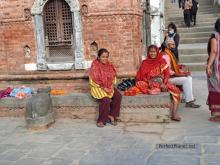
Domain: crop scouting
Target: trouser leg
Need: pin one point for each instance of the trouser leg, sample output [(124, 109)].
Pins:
[(115, 104), (104, 107), (186, 83)]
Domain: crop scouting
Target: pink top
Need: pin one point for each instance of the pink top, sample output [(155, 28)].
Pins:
[(167, 59)]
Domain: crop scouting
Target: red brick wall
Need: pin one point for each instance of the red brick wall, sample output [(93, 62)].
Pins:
[(113, 24)]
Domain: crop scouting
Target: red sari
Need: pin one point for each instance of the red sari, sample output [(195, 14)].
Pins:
[(154, 72)]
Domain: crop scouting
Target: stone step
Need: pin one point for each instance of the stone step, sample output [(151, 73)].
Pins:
[(196, 29), (195, 66), (199, 20), (201, 8), (195, 34), (199, 17), (140, 108), (181, 24), (194, 40), (187, 50), (201, 58)]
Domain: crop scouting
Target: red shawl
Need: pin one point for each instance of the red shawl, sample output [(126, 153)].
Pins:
[(102, 74), (148, 65)]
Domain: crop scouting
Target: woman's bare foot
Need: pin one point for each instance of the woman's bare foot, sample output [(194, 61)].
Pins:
[(100, 124), (214, 119), (175, 118)]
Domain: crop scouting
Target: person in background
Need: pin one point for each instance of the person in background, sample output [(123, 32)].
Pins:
[(213, 74), (172, 33), (180, 3), (194, 9), (102, 78), (187, 12), (179, 74)]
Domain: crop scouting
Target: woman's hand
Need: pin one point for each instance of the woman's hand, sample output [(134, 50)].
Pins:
[(163, 88), (108, 90), (208, 71)]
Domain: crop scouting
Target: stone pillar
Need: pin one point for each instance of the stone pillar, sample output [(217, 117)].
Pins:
[(41, 61), (157, 22), (78, 39)]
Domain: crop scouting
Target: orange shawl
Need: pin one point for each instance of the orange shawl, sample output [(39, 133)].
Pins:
[(173, 61)]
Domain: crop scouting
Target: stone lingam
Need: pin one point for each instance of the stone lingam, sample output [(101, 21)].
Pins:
[(39, 110)]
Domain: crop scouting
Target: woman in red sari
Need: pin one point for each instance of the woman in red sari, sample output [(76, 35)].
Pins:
[(154, 74), (102, 79)]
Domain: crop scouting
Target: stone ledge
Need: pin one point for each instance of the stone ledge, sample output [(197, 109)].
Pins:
[(140, 108)]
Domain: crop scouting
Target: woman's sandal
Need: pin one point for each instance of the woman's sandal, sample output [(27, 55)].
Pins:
[(118, 119), (176, 118), (100, 124), (111, 121)]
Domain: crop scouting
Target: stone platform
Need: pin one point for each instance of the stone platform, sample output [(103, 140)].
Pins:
[(140, 108)]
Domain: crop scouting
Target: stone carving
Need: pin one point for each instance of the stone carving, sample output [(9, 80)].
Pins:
[(27, 14), (27, 51), (84, 10), (39, 111), (38, 6), (36, 11)]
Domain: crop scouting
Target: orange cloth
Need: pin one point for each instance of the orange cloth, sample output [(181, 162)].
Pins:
[(173, 61), (57, 92)]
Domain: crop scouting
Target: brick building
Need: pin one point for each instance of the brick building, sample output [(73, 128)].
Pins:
[(54, 41)]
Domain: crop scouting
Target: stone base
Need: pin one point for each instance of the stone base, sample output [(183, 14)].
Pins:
[(140, 108), (40, 122)]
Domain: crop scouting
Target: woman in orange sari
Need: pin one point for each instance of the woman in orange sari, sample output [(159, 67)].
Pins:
[(154, 73), (102, 79)]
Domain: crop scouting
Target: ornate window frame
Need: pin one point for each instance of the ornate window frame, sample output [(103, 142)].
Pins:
[(36, 11)]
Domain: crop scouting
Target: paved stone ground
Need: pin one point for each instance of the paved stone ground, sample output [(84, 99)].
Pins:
[(81, 142)]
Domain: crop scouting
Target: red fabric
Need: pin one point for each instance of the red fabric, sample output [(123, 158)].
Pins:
[(151, 67), (103, 74)]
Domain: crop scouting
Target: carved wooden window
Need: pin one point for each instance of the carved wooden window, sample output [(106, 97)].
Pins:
[(58, 29)]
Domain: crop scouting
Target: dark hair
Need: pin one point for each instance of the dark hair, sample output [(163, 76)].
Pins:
[(217, 25), (173, 26), (152, 46), (101, 51)]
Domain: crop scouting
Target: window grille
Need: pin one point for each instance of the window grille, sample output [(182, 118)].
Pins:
[(58, 29)]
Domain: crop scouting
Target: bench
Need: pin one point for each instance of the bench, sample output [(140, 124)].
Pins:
[(140, 108)]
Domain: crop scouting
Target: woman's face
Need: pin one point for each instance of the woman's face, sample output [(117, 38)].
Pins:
[(104, 58), (152, 52)]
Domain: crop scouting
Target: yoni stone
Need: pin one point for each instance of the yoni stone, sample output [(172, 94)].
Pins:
[(39, 110)]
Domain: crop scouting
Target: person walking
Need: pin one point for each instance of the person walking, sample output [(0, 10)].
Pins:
[(187, 12), (194, 9), (180, 3), (213, 74)]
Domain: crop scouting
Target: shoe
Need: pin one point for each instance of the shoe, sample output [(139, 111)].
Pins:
[(183, 100), (191, 104)]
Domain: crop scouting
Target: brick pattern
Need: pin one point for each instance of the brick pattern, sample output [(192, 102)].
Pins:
[(113, 24)]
